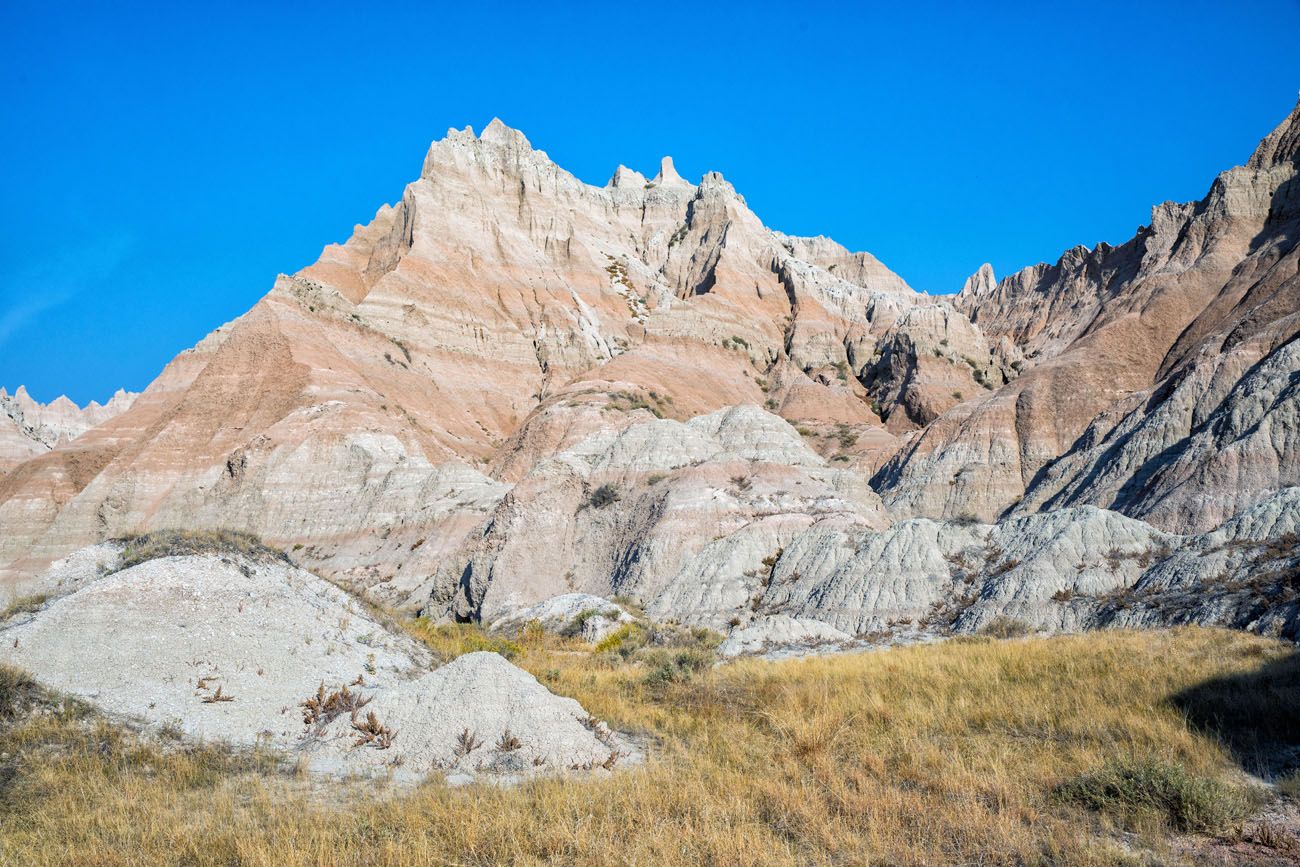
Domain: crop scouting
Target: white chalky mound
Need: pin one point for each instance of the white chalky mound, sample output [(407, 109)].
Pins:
[(560, 613), (226, 648)]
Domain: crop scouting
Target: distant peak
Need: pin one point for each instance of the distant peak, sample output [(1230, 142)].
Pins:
[(982, 282)]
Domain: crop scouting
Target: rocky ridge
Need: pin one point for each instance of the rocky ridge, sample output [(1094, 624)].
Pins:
[(29, 428), (513, 386)]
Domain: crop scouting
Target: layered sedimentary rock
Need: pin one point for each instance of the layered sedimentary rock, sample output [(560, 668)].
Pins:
[(1129, 352), (479, 322), (512, 386), (680, 515)]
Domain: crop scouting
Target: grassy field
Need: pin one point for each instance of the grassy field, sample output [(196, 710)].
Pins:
[(1091, 749)]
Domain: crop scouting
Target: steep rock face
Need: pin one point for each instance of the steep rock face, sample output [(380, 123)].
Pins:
[(470, 324), (29, 428), (1103, 325), (512, 386), (678, 516), (929, 360), (1064, 570)]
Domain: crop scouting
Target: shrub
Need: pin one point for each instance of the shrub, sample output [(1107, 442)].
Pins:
[(371, 731), (1004, 627), (1063, 595), (143, 547), (217, 697), (322, 708), (675, 665), (24, 605), (17, 692), (1130, 788), (573, 628), (466, 743), (603, 496), (624, 640)]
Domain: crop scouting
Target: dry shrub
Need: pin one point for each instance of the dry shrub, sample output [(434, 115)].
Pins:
[(324, 707), (143, 547)]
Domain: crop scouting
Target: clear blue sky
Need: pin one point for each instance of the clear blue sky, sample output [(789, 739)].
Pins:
[(162, 165)]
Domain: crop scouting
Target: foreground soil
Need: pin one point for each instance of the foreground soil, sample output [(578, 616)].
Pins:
[(1113, 747)]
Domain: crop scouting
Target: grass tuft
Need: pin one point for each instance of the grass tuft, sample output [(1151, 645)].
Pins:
[(143, 547), (23, 605), (1134, 789)]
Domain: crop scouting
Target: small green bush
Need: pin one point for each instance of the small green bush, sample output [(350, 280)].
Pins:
[(573, 628), (623, 641), (1131, 788)]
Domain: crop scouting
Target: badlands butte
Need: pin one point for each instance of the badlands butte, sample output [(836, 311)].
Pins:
[(513, 396)]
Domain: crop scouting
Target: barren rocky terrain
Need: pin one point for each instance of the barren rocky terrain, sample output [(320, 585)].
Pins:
[(516, 400)]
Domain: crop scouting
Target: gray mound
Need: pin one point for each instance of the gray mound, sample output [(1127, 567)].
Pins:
[(228, 648)]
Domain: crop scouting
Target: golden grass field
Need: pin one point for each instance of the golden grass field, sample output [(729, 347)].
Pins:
[(1088, 749)]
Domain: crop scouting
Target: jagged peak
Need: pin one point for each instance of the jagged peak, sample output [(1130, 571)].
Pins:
[(1282, 145), (982, 282), (624, 178), (497, 132), (21, 397), (668, 176)]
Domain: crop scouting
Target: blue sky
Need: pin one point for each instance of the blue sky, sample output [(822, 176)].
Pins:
[(163, 164)]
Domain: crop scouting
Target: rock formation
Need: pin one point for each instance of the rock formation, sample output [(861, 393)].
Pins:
[(512, 386), (256, 652), (28, 428)]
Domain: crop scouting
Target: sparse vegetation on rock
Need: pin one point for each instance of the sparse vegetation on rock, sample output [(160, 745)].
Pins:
[(179, 543)]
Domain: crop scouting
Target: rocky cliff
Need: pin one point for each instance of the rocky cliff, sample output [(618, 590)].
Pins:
[(511, 385)]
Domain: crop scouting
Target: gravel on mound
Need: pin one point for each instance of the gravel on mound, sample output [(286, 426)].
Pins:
[(228, 649)]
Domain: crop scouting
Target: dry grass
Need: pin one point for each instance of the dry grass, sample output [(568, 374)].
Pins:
[(948, 753), (23, 605), (174, 543)]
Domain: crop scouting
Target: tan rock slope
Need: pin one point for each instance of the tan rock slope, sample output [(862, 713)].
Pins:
[(512, 386), (499, 313), (1142, 369)]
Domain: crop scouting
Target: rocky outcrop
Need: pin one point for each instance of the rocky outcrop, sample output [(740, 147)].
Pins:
[(511, 387), (1108, 335), (468, 325), (679, 516), (249, 651), (782, 635), (28, 428), (588, 617), (1064, 570), (931, 359)]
